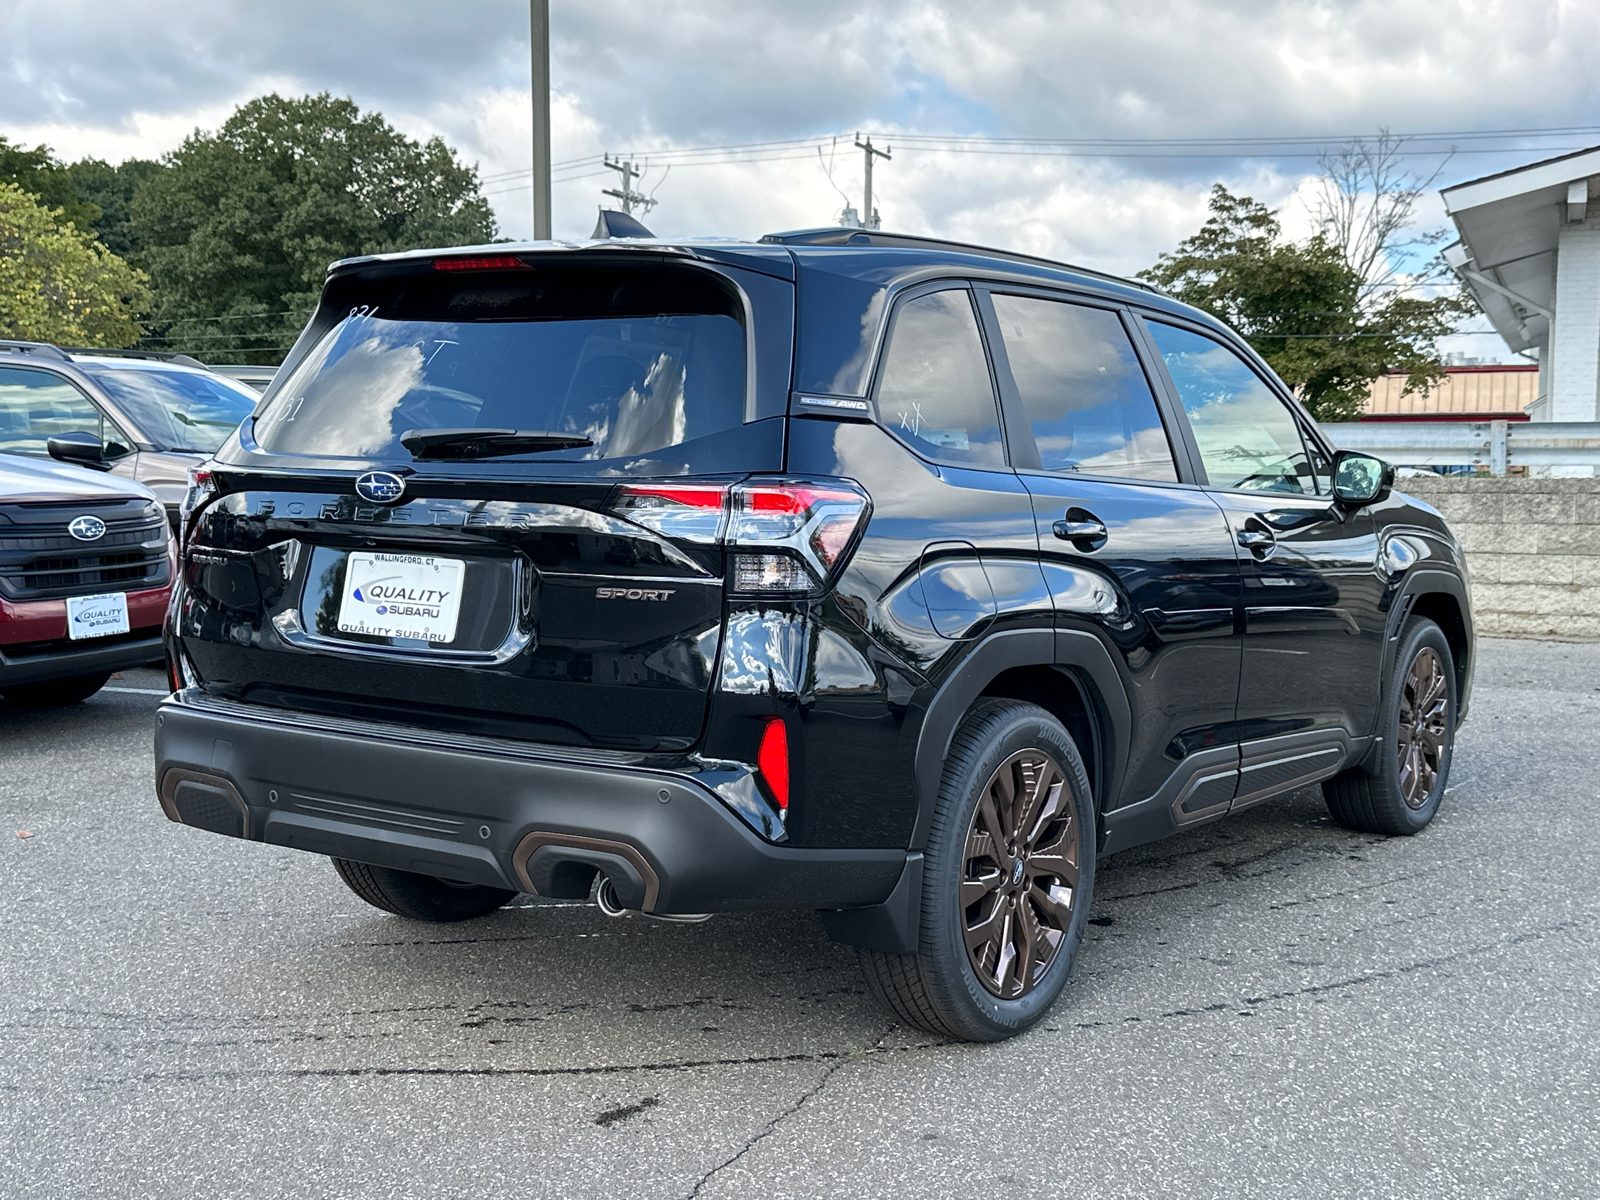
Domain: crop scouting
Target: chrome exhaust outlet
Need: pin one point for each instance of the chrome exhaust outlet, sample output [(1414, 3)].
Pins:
[(605, 899)]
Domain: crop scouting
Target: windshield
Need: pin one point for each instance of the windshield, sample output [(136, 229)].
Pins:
[(596, 358), (176, 408)]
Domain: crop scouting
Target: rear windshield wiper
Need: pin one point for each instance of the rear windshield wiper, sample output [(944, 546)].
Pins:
[(486, 443)]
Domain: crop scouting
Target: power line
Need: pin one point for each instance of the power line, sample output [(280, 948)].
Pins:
[(789, 149)]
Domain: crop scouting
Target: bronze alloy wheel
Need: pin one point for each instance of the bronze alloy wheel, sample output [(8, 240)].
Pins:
[(1020, 876), (1421, 739)]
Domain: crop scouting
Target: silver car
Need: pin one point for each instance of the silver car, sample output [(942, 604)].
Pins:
[(147, 418)]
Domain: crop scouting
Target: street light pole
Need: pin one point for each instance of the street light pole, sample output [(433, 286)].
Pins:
[(539, 24)]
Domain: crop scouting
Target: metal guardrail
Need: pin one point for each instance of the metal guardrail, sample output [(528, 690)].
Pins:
[(1493, 444)]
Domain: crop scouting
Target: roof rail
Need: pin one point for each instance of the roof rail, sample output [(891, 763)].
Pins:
[(42, 349), (835, 235), (166, 356)]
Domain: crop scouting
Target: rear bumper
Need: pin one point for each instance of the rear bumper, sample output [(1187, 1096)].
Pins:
[(502, 816)]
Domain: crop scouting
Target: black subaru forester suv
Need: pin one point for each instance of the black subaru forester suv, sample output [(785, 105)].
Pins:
[(845, 571)]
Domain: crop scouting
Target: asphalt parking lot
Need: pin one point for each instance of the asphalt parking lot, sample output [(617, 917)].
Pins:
[(1268, 1006)]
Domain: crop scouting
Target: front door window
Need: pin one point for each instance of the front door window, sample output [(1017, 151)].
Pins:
[(36, 406), (1248, 439)]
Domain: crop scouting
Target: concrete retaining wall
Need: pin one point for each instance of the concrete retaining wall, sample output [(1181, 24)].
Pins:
[(1533, 547)]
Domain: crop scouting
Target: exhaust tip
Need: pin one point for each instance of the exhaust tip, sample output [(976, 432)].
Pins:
[(606, 901)]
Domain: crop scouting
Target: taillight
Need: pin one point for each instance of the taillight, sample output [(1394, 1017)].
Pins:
[(792, 536), (789, 537), (773, 760), (690, 512), (174, 675), (201, 488)]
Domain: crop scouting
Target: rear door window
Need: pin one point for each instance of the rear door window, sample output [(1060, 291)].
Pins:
[(935, 393), (634, 361), (1086, 396), (36, 406), (1248, 439)]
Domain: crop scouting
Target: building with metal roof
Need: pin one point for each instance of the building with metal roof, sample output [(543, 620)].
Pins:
[(1529, 250)]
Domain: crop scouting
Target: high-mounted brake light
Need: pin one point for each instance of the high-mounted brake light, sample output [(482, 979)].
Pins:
[(482, 262), (773, 760)]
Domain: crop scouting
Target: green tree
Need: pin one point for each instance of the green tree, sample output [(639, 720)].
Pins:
[(1305, 308), (238, 232), (38, 173), (110, 190), (57, 284)]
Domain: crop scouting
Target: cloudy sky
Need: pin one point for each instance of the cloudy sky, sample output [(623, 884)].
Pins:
[(121, 78)]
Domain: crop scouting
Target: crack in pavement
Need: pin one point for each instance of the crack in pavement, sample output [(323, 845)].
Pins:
[(1357, 980), (828, 1056), (772, 1125)]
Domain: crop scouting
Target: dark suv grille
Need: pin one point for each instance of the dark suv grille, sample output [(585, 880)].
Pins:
[(40, 560)]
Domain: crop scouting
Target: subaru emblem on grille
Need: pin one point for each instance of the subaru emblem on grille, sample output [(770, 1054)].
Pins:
[(380, 487), (87, 528)]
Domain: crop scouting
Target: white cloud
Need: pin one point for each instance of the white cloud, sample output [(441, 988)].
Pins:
[(133, 79)]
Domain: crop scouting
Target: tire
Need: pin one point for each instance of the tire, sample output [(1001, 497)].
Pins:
[(1402, 795), (56, 693), (979, 995), (419, 897)]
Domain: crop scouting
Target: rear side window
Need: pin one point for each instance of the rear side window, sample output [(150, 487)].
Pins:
[(935, 393), (36, 406), (633, 359), (1248, 440), (1086, 396)]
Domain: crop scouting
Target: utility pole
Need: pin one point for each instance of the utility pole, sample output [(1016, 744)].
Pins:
[(869, 215), (625, 193), (539, 24)]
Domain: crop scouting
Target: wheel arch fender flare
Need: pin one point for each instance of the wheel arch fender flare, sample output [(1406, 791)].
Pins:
[(1426, 583), (1088, 666)]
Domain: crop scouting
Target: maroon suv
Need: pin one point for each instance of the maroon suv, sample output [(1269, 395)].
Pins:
[(86, 569)]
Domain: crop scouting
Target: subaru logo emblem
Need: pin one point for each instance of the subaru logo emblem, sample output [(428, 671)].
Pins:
[(380, 487), (87, 528)]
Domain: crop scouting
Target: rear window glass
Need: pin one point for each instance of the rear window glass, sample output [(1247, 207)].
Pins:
[(635, 361), (174, 408)]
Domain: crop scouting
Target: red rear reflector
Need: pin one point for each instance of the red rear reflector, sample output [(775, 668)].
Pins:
[(773, 759), (174, 678), (487, 262)]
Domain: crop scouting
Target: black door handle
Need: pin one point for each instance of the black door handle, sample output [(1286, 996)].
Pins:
[(1083, 529)]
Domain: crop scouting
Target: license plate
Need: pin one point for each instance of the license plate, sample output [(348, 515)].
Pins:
[(97, 616), (401, 595)]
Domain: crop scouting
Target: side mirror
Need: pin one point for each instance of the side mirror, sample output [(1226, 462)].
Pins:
[(1360, 479), (79, 448)]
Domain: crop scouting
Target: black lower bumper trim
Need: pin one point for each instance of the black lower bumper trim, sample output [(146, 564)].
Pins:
[(667, 843), (83, 658)]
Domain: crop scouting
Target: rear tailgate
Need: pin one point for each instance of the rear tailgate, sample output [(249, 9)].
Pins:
[(509, 594)]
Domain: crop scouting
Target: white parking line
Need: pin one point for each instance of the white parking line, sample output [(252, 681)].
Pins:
[(139, 691)]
